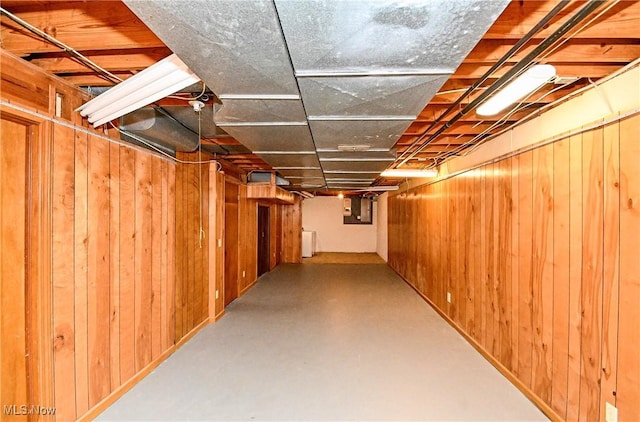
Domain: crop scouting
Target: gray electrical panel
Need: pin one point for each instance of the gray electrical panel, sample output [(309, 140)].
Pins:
[(358, 210)]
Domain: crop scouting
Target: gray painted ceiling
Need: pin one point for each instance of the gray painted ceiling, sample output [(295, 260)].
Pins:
[(301, 81)]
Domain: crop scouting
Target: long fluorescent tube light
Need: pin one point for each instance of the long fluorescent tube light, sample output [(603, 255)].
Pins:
[(153, 83), (523, 85), (409, 173)]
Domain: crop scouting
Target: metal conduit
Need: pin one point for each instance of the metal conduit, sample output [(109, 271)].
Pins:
[(513, 50), (84, 60), (520, 66)]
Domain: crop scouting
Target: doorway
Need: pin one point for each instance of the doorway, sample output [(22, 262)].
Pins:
[(264, 251), (231, 242)]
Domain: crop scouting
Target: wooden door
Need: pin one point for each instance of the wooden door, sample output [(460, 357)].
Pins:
[(230, 243), (13, 276), (264, 251)]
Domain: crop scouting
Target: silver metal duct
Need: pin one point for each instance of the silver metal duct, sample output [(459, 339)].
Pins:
[(160, 129), (173, 128), (301, 78)]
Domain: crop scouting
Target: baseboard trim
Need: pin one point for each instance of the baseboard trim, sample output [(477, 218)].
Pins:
[(250, 285), (537, 401), (217, 317), (131, 382)]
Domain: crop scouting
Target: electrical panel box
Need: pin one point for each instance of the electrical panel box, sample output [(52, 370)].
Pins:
[(360, 210)]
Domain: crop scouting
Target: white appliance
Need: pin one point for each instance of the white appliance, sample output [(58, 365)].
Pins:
[(308, 243)]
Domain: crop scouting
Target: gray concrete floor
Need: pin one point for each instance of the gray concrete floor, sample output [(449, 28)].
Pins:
[(327, 342)]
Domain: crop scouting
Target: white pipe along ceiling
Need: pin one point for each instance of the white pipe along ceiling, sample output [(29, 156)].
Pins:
[(321, 90)]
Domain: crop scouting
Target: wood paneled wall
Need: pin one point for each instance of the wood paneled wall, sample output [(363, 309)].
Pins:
[(215, 238), (113, 266), (247, 241), (126, 278), (192, 246), (291, 216), (541, 257)]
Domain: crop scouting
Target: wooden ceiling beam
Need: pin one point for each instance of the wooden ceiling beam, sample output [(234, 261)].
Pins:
[(82, 25), (541, 96), (613, 50), (433, 111), (92, 79), (593, 70), (459, 128), (112, 60), (520, 16)]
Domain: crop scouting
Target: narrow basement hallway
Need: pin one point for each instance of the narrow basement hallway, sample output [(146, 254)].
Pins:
[(326, 342)]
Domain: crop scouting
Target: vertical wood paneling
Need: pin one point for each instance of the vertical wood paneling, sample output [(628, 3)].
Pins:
[(494, 281), (98, 281), (214, 241), (196, 288), (292, 233), (63, 274), (171, 255), (561, 241), (514, 257), (156, 257), (470, 241), (219, 230), (575, 275), (555, 280), (165, 341), (190, 242), (143, 260), (610, 282), (490, 253), (90, 214), (442, 227), (179, 250), (191, 251), (482, 279), (592, 250), (478, 263), (127, 263), (80, 262), (628, 392), (452, 251), (14, 386), (542, 271), (114, 264), (525, 218), (205, 251), (503, 261)]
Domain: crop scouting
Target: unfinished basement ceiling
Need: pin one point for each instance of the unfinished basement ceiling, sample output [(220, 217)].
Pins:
[(303, 81), (111, 35)]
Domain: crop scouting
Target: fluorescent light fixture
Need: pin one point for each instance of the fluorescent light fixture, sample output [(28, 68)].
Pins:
[(155, 82), (523, 85), (404, 173)]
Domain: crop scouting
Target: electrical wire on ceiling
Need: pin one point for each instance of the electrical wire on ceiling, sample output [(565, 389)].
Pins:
[(477, 140), (512, 51), (551, 42), (160, 151), (82, 59)]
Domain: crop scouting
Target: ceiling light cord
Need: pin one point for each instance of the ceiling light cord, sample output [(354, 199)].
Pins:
[(84, 60), (201, 234)]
